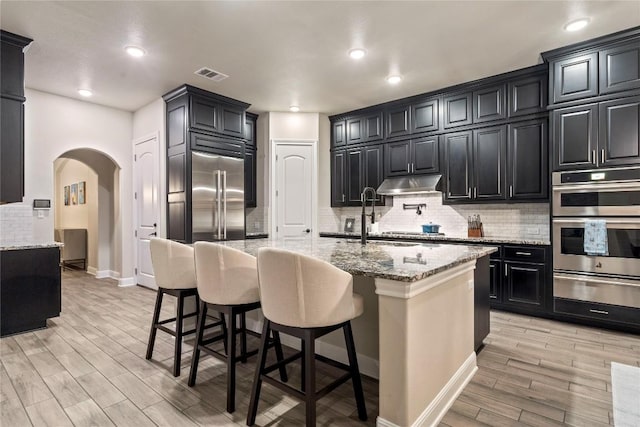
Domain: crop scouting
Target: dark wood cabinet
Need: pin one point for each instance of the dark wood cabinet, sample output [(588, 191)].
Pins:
[(413, 157), (250, 130), (425, 116), (398, 121), (574, 77), (495, 280), (12, 116), (458, 166), (457, 110), (29, 289), (527, 160), (198, 120), (620, 67), (250, 189), (475, 165), (575, 134), (489, 163), (364, 169), (527, 96), (489, 104), (374, 129), (356, 130), (523, 283), (338, 178), (338, 133), (619, 133)]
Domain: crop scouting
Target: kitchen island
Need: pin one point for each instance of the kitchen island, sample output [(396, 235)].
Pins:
[(425, 317)]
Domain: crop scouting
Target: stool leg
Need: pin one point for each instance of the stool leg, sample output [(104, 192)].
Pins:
[(257, 379), (355, 371), (154, 324), (310, 377), (202, 317), (224, 332), (178, 346), (280, 356), (231, 362), (243, 337)]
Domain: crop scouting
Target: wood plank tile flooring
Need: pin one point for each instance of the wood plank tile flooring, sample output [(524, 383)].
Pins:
[(88, 368)]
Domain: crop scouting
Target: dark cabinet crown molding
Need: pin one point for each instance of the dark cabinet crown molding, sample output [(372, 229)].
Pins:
[(591, 44), (15, 39), (192, 90)]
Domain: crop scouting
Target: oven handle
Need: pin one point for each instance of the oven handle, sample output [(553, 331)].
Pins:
[(600, 279), (607, 219), (612, 185)]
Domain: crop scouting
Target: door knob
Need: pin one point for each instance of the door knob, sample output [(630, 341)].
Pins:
[(153, 234), (308, 230)]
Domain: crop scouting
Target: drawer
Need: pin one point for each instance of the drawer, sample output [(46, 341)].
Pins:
[(592, 310), (524, 253)]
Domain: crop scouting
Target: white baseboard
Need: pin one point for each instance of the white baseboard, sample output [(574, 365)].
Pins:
[(126, 281), (367, 365), (103, 274), (433, 413), (91, 270)]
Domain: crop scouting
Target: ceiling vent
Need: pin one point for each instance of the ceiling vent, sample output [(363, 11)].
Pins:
[(210, 74)]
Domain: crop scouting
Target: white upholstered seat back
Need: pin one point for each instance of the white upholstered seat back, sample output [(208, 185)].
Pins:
[(173, 264), (300, 291), (224, 275)]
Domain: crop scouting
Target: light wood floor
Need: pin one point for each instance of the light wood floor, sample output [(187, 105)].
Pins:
[(88, 368)]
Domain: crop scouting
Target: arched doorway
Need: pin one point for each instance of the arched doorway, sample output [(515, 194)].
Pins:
[(86, 196)]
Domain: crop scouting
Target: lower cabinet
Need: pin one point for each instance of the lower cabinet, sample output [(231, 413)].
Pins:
[(520, 279), (354, 169), (29, 289), (250, 192)]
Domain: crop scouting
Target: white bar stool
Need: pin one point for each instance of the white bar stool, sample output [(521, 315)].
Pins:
[(306, 298), (227, 281)]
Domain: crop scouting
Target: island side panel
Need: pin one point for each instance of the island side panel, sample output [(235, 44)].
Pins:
[(426, 346)]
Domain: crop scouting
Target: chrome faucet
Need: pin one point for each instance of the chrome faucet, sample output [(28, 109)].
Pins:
[(363, 219)]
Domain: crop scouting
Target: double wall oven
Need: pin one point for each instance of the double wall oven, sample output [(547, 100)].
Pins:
[(607, 285)]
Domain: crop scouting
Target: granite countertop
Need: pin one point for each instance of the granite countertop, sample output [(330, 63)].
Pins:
[(430, 238), (401, 261), (20, 246)]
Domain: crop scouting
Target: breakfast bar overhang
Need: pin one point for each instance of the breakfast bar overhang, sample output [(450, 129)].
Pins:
[(425, 317)]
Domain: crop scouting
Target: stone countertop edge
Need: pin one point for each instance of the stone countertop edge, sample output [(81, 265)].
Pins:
[(418, 237), (257, 235), (380, 260), (20, 246)]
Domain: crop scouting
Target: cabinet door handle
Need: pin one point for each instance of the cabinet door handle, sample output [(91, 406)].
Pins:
[(511, 191), (475, 192), (470, 193), (594, 159), (602, 156), (524, 253), (506, 271), (343, 197), (598, 311), (408, 167)]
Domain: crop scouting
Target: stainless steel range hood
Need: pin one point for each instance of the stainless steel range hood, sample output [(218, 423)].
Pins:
[(417, 184)]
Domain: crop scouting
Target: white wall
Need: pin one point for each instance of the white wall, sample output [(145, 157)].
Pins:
[(148, 121), (55, 125)]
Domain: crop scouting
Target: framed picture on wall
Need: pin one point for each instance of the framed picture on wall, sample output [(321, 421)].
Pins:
[(81, 191), (67, 193), (74, 194)]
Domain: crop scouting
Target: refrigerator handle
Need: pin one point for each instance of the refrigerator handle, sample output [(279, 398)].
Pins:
[(224, 194), (218, 203)]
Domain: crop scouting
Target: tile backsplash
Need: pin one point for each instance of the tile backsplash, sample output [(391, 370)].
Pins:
[(16, 224), (522, 220)]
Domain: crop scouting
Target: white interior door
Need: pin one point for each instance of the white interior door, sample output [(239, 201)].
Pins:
[(147, 207), (294, 189)]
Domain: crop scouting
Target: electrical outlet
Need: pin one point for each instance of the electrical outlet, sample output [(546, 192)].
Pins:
[(470, 285)]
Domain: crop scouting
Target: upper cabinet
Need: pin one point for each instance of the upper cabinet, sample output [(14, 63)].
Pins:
[(398, 121), (527, 95), (426, 116), (338, 133), (416, 156), (250, 159), (490, 104), (595, 68), (363, 129), (595, 94), (250, 129), (457, 110), (12, 117)]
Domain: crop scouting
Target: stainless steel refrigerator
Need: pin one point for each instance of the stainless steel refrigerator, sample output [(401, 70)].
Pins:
[(217, 197)]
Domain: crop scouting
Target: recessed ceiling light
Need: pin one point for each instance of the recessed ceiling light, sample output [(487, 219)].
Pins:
[(135, 51), (357, 53), (394, 80), (576, 25), (85, 92), (294, 108)]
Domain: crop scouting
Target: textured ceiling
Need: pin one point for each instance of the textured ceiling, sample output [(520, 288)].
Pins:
[(282, 53)]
